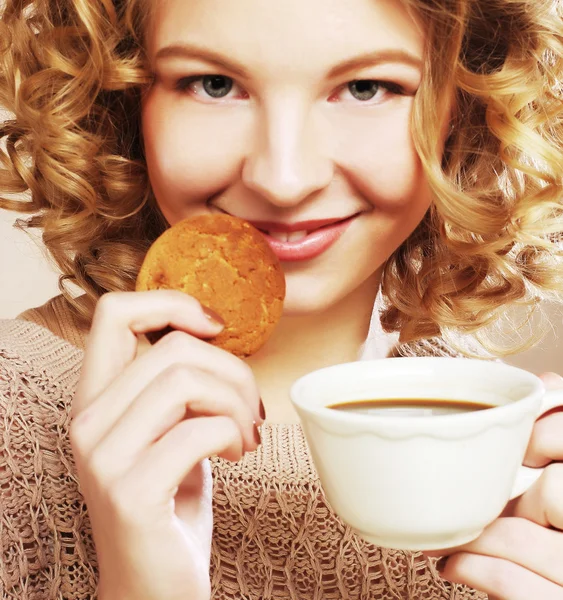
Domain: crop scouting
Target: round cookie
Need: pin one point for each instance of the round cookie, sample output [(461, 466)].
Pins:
[(226, 264)]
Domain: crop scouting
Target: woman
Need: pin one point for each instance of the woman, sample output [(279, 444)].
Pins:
[(432, 127)]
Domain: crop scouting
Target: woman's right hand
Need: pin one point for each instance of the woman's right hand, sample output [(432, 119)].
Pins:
[(142, 429)]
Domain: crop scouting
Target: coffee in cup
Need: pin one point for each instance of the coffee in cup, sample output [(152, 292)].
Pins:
[(409, 407), (416, 478)]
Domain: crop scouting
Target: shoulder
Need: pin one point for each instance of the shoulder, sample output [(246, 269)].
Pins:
[(35, 360), (39, 372), (454, 345), (57, 317), (30, 352)]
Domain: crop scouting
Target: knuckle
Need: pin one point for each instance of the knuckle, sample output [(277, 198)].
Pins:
[(177, 374), (193, 383), (552, 380), (551, 489), (243, 375), (547, 439), (108, 303), (232, 434), (110, 306), (122, 500), (97, 466)]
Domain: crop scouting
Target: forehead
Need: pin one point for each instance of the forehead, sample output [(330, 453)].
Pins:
[(287, 33)]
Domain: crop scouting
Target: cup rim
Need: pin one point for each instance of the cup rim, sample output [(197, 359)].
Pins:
[(393, 422)]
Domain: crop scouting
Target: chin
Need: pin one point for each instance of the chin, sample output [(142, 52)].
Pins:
[(308, 295), (302, 304)]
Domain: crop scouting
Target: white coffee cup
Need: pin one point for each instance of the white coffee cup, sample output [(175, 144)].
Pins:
[(416, 482)]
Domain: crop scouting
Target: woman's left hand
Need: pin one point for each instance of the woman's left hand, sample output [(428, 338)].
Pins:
[(520, 555)]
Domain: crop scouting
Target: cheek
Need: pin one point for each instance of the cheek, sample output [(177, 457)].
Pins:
[(383, 163), (190, 156)]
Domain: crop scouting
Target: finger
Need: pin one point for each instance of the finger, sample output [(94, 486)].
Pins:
[(161, 406), (499, 578), (94, 423), (546, 441), (543, 502), (552, 381), (112, 340), (524, 543), (153, 481)]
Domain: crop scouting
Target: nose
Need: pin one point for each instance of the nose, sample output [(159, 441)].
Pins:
[(287, 164)]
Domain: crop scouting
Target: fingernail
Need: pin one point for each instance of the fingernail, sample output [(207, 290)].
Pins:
[(441, 564), (257, 436), (262, 410), (213, 317)]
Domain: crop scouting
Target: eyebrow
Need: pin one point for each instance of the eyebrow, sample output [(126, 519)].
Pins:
[(369, 59)]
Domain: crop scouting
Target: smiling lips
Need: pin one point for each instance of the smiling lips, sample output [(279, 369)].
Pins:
[(302, 241)]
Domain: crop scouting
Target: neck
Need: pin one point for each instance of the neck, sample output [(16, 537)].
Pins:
[(301, 344)]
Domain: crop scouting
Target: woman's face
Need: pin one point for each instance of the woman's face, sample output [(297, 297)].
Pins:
[(288, 112)]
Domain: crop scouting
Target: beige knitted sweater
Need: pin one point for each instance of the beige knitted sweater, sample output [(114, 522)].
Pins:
[(274, 534)]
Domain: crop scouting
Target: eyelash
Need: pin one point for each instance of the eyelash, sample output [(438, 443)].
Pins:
[(183, 84)]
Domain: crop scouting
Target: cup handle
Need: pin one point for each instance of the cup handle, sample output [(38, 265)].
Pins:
[(527, 476)]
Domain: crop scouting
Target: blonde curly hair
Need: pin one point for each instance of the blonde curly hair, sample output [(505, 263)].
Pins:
[(72, 73)]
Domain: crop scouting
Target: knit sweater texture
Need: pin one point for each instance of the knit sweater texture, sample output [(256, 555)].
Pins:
[(274, 536)]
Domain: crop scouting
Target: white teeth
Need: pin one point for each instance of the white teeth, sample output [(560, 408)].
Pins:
[(294, 236), (278, 235)]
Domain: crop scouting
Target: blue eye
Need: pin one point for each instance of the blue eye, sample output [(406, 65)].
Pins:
[(364, 89), (215, 86), (367, 89)]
